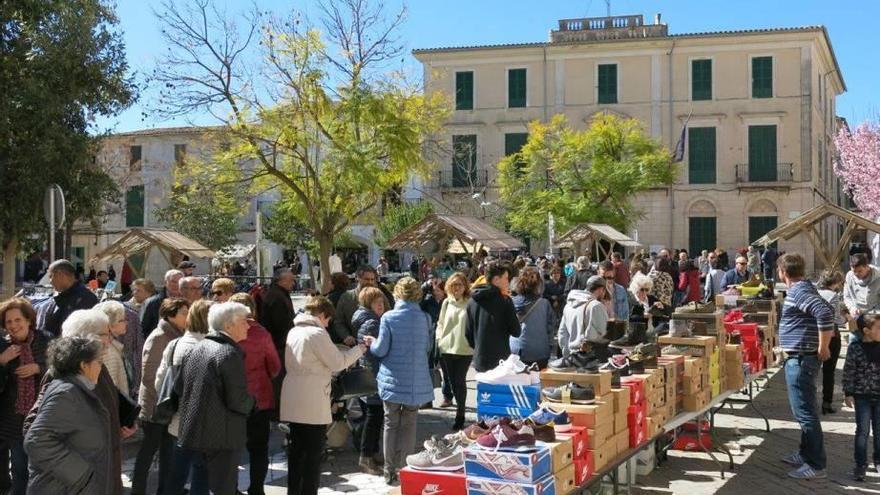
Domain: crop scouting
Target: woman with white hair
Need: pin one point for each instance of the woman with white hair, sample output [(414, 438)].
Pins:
[(114, 358), (646, 308)]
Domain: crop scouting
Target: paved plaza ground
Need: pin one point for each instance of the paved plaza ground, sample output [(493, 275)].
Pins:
[(756, 455)]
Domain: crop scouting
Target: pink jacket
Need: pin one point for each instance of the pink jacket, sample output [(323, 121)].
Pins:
[(261, 363)]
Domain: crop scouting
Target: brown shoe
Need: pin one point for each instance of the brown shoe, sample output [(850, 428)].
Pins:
[(369, 465)]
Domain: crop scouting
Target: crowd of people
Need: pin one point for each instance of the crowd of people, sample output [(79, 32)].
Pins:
[(201, 377)]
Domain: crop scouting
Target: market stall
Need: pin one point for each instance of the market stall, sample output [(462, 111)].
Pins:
[(141, 242), (454, 234), (593, 235)]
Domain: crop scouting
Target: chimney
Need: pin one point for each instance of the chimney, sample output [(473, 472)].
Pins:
[(657, 19)]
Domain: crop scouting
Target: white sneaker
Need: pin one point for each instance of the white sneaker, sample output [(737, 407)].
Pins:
[(806, 472), (508, 372)]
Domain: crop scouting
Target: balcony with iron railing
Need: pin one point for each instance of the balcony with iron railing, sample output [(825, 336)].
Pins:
[(752, 174), (461, 180), (602, 28)]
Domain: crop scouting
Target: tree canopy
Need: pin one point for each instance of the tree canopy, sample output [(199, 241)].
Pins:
[(858, 166), (579, 176)]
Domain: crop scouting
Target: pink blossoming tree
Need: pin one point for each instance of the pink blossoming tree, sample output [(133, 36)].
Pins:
[(858, 166)]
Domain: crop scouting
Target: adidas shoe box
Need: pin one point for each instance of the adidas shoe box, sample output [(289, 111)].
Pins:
[(415, 482), (518, 467), (490, 412), (519, 396), (485, 486)]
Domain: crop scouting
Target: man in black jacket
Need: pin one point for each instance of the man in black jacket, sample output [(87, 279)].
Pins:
[(578, 279), (150, 311), (214, 400), (276, 311), (491, 318), (72, 295)]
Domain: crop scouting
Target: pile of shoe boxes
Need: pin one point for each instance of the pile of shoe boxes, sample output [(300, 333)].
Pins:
[(490, 472), (733, 362), (637, 411), (415, 482), (513, 401), (697, 382), (672, 396)]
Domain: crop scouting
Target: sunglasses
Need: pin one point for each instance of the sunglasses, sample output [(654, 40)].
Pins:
[(216, 293), (644, 290)]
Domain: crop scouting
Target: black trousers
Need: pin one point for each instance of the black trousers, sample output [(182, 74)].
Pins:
[(457, 366), (828, 368), (258, 449), (371, 427), (305, 448), (222, 469), (156, 437)]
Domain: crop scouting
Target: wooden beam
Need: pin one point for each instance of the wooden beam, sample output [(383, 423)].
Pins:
[(810, 232), (850, 230)]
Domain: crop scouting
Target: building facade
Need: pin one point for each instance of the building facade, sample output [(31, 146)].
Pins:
[(758, 106)]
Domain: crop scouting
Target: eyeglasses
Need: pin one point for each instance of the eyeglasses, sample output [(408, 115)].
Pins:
[(644, 289)]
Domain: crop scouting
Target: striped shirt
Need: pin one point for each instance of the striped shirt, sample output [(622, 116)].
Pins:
[(804, 315)]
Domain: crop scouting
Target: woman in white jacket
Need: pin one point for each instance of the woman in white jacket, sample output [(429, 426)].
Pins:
[(114, 358)]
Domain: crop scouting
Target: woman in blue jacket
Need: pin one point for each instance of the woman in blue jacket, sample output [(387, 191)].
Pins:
[(404, 379), (537, 319)]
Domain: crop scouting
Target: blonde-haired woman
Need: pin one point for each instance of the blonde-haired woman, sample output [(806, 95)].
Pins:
[(404, 379), (455, 352), (114, 358)]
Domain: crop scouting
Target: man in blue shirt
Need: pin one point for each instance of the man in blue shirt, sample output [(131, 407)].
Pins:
[(805, 332), (738, 275), (619, 302)]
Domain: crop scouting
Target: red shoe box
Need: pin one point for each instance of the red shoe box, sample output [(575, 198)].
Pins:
[(578, 436), (413, 482), (638, 434), (636, 386), (584, 469), (691, 426), (636, 414), (688, 441)]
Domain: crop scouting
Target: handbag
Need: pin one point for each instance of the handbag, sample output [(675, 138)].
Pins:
[(129, 410), (357, 381), (436, 378), (167, 399)]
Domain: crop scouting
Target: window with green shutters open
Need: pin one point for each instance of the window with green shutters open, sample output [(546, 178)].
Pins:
[(607, 83), (464, 90), (702, 234), (701, 155), (516, 88), (134, 206), (701, 79), (762, 77), (464, 160)]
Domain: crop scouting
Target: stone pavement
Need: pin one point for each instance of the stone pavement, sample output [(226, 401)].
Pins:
[(756, 455)]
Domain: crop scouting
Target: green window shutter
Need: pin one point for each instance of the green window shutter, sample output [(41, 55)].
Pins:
[(762, 77), (464, 160), (701, 155), (514, 142), (464, 90), (762, 153), (702, 234), (701, 80), (607, 83), (134, 206), (516, 88), (759, 226)]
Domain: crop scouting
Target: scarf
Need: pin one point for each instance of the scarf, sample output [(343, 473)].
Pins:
[(27, 390)]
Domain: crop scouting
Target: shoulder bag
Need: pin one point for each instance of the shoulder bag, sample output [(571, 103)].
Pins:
[(167, 401)]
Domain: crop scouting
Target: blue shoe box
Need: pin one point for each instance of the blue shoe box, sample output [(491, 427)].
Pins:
[(483, 486), (521, 396), (490, 412), (499, 465)]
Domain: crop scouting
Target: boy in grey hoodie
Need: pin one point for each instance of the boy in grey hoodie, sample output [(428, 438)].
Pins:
[(584, 318)]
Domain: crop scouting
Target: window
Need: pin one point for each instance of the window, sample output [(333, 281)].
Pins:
[(134, 158), (516, 88), (607, 83), (134, 206), (179, 153), (762, 77), (701, 79), (701, 232), (464, 90), (464, 160), (701, 155), (762, 153), (759, 226), (514, 142)]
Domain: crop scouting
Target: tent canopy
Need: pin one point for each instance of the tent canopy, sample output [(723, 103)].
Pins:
[(141, 241), (454, 233), (594, 232), (235, 251), (806, 224)]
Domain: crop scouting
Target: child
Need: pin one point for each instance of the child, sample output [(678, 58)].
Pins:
[(861, 384)]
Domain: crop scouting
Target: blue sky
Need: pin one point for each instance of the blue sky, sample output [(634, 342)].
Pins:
[(431, 23)]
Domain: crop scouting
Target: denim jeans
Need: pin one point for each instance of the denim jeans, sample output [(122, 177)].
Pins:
[(801, 374), (867, 421), (181, 467), (19, 481)]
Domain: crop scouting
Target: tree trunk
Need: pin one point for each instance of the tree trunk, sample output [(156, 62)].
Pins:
[(9, 253), (325, 248)]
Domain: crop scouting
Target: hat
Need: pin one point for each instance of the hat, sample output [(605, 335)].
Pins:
[(185, 264), (595, 282)]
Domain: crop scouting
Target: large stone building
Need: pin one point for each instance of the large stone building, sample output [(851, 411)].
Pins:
[(760, 104)]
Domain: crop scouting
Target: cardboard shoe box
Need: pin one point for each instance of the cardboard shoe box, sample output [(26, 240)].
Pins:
[(519, 467), (484, 486), (587, 415), (519, 396), (565, 480), (636, 388), (561, 453), (698, 401), (584, 469), (622, 398), (599, 434), (579, 444), (601, 381), (604, 454), (414, 482), (620, 422)]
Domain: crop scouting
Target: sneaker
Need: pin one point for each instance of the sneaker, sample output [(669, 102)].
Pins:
[(544, 433), (794, 459), (806, 472), (754, 281), (547, 416), (618, 363), (439, 458), (859, 473), (575, 362), (571, 393), (696, 307), (504, 436), (510, 371)]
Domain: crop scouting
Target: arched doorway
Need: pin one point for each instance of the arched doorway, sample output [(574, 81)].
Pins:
[(762, 218), (702, 227)]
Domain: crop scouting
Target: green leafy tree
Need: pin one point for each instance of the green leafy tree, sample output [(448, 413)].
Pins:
[(581, 176), (400, 217), (62, 64), (322, 121)]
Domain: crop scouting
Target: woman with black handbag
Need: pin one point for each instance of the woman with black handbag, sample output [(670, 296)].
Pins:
[(366, 321)]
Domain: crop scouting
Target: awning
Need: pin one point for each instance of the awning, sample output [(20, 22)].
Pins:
[(141, 241), (236, 251), (454, 233), (595, 232)]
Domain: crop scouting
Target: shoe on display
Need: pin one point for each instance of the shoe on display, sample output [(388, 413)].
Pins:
[(439, 458), (754, 281), (548, 416), (571, 393), (794, 459), (504, 436), (806, 472), (544, 433), (643, 356), (637, 332), (618, 363), (576, 362), (679, 328), (697, 307), (615, 329), (510, 371)]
